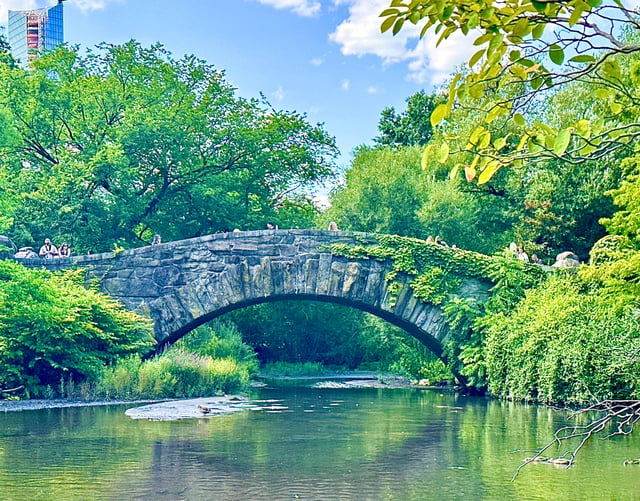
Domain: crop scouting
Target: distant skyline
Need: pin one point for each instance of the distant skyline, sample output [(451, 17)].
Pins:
[(325, 58)]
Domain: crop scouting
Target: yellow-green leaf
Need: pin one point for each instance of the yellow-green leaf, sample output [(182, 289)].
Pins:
[(443, 153), (426, 155), (389, 12), (387, 23), (519, 119), (476, 57), (562, 141), (583, 58), (583, 128), (438, 114), (485, 139), (615, 107), (537, 31), (492, 167), (473, 139), (454, 172)]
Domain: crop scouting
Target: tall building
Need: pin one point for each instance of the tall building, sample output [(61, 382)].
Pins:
[(32, 31)]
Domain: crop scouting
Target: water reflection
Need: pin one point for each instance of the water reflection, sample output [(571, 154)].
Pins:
[(307, 444)]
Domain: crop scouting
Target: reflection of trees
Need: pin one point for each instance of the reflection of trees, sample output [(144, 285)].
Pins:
[(378, 444)]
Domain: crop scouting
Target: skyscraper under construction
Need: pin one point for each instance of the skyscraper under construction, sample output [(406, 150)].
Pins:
[(32, 31)]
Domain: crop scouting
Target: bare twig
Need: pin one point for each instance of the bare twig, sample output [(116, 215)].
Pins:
[(613, 417)]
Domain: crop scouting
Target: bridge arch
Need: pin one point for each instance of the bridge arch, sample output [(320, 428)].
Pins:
[(186, 283)]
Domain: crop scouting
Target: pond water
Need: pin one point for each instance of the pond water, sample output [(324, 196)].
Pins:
[(315, 444)]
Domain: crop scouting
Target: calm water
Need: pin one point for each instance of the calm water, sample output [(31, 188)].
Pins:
[(323, 444)]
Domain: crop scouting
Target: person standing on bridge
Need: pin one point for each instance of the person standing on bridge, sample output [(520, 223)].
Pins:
[(64, 250), (48, 250)]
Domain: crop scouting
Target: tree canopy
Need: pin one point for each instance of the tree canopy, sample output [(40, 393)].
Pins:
[(126, 141)]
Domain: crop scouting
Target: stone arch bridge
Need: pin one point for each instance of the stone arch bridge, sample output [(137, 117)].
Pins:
[(186, 283)]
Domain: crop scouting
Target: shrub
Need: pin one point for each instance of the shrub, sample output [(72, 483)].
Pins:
[(563, 343), (53, 328)]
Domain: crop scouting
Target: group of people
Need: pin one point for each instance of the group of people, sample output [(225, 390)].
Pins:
[(49, 251), (518, 252)]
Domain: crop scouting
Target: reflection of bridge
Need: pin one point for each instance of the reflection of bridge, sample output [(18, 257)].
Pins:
[(184, 284)]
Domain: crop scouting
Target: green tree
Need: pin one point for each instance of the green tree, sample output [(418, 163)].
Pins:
[(126, 141), (411, 127), (381, 193), (5, 52)]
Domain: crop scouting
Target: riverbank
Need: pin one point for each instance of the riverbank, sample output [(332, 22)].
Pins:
[(174, 409), (34, 405)]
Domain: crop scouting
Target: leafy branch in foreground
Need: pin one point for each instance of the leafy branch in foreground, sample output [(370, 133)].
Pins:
[(525, 48), (616, 417)]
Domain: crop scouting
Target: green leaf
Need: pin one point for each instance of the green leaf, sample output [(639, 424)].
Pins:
[(556, 54), (583, 58), (562, 141), (472, 23), (476, 57), (398, 26), (438, 114), (537, 31), (387, 23), (539, 6), (519, 119)]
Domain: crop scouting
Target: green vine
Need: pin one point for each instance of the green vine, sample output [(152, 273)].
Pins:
[(436, 273)]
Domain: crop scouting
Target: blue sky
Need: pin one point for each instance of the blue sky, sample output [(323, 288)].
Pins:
[(325, 58)]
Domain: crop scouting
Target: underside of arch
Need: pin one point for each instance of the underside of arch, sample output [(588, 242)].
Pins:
[(424, 337)]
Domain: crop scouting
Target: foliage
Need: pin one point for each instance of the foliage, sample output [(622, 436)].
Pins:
[(176, 373), (289, 369), (386, 191), (302, 331), (126, 141), (411, 127), (219, 339), (382, 193), (52, 328), (563, 344), (583, 42)]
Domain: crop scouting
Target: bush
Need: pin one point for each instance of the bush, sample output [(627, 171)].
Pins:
[(176, 373), (53, 329), (563, 343)]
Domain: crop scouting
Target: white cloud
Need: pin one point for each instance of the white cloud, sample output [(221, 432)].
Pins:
[(278, 94), (359, 35), (305, 8), (372, 90), (87, 5), (345, 85), (316, 61), (84, 5)]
